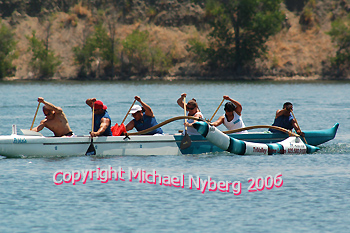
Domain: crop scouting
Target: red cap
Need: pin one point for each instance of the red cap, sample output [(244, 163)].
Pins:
[(100, 105)]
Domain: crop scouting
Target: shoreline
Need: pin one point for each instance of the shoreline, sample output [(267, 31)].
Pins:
[(189, 78)]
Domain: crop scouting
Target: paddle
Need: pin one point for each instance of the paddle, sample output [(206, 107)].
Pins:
[(36, 112), (216, 110), (118, 130), (128, 112), (186, 140), (298, 126), (91, 150)]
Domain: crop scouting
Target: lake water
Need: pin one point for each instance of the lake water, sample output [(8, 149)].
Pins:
[(314, 195)]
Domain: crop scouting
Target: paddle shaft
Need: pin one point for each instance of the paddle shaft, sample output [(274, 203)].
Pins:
[(36, 112), (93, 117), (298, 125), (128, 112), (185, 113), (216, 110), (91, 150), (186, 140)]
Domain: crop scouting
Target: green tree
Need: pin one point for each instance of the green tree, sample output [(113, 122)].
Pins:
[(99, 48), (340, 34), (7, 51), (44, 63), (135, 48), (240, 31), (144, 57)]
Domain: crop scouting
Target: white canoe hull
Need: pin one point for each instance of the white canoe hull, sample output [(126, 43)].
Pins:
[(19, 146)]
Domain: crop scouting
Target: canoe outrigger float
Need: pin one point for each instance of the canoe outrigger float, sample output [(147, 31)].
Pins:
[(34, 144), (313, 137), (291, 145)]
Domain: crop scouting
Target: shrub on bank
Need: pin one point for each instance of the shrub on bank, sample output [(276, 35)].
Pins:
[(143, 57), (7, 51), (97, 49), (340, 34), (43, 63)]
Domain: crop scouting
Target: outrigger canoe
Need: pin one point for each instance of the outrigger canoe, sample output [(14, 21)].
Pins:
[(27, 145)]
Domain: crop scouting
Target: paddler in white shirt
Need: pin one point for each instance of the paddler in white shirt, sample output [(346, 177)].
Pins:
[(232, 119)]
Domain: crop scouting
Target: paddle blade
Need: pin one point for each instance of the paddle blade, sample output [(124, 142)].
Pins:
[(118, 130), (185, 142), (91, 150)]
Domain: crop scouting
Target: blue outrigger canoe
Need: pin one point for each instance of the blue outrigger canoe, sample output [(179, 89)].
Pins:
[(201, 145)]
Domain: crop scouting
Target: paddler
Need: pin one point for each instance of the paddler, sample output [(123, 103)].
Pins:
[(143, 118), (232, 119), (55, 120), (284, 118), (192, 110), (102, 120)]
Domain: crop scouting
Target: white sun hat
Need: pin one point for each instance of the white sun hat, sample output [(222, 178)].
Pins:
[(135, 109)]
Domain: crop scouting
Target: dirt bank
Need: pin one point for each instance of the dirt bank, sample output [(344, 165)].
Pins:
[(296, 53)]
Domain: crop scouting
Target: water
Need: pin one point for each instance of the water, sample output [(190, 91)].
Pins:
[(314, 196)]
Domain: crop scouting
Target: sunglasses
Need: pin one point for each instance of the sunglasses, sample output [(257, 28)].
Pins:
[(191, 108)]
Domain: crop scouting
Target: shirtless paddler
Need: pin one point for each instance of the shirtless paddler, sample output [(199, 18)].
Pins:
[(55, 120)]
